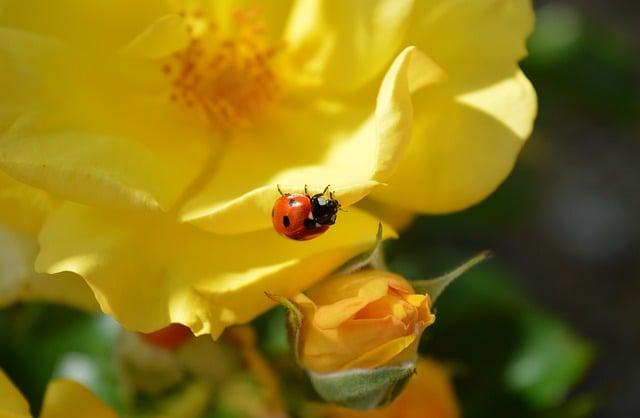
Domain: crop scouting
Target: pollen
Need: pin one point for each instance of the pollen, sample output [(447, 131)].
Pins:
[(229, 78)]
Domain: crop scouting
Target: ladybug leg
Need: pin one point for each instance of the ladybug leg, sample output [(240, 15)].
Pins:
[(325, 190), (306, 192), (279, 191)]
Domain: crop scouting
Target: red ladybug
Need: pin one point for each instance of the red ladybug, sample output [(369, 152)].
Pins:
[(302, 217)]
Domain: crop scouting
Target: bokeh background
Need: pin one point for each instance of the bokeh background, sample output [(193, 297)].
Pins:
[(551, 326), (566, 224)]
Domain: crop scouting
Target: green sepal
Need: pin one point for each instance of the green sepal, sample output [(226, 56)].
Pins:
[(435, 286), (294, 319), (373, 258), (363, 389)]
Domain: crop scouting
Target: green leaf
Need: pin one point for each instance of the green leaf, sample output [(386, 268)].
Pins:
[(435, 286), (551, 358), (362, 388)]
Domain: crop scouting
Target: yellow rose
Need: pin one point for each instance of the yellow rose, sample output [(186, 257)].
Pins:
[(364, 320), (63, 399), (163, 128), (429, 394), (23, 209)]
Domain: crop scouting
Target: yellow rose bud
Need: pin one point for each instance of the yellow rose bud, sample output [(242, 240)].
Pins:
[(364, 320), (357, 334)]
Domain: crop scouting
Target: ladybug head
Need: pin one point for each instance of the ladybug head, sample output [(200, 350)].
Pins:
[(323, 209)]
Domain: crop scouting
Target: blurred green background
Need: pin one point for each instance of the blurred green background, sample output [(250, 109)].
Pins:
[(548, 328)]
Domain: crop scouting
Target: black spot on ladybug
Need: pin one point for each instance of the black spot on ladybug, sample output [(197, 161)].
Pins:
[(285, 221), (309, 223), (292, 202)]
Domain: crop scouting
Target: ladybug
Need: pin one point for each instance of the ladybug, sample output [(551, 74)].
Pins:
[(302, 217)]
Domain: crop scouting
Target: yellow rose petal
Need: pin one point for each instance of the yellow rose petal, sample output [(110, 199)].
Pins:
[(69, 131), (63, 399), (92, 168), (331, 316), (68, 399), (339, 287), (23, 210), (462, 148), (410, 71), (63, 288), (19, 281), (473, 39), (343, 45), (164, 36), (391, 352), (12, 403), (512, 101), (326, 350), (416, 300), (25, 61), (399, 218), (100, 26), (180, 274)]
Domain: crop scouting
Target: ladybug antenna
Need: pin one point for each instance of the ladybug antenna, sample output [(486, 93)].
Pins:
[(306, 193), (325, 190), (279, 191)]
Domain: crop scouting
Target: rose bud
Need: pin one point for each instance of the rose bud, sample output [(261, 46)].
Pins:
[(358, 336), (357, 333), (364, 320)]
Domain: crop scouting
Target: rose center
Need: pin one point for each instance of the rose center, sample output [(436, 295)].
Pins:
[(228, 78)]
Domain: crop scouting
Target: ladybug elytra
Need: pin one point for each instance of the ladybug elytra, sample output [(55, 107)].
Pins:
[(302, 217)]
